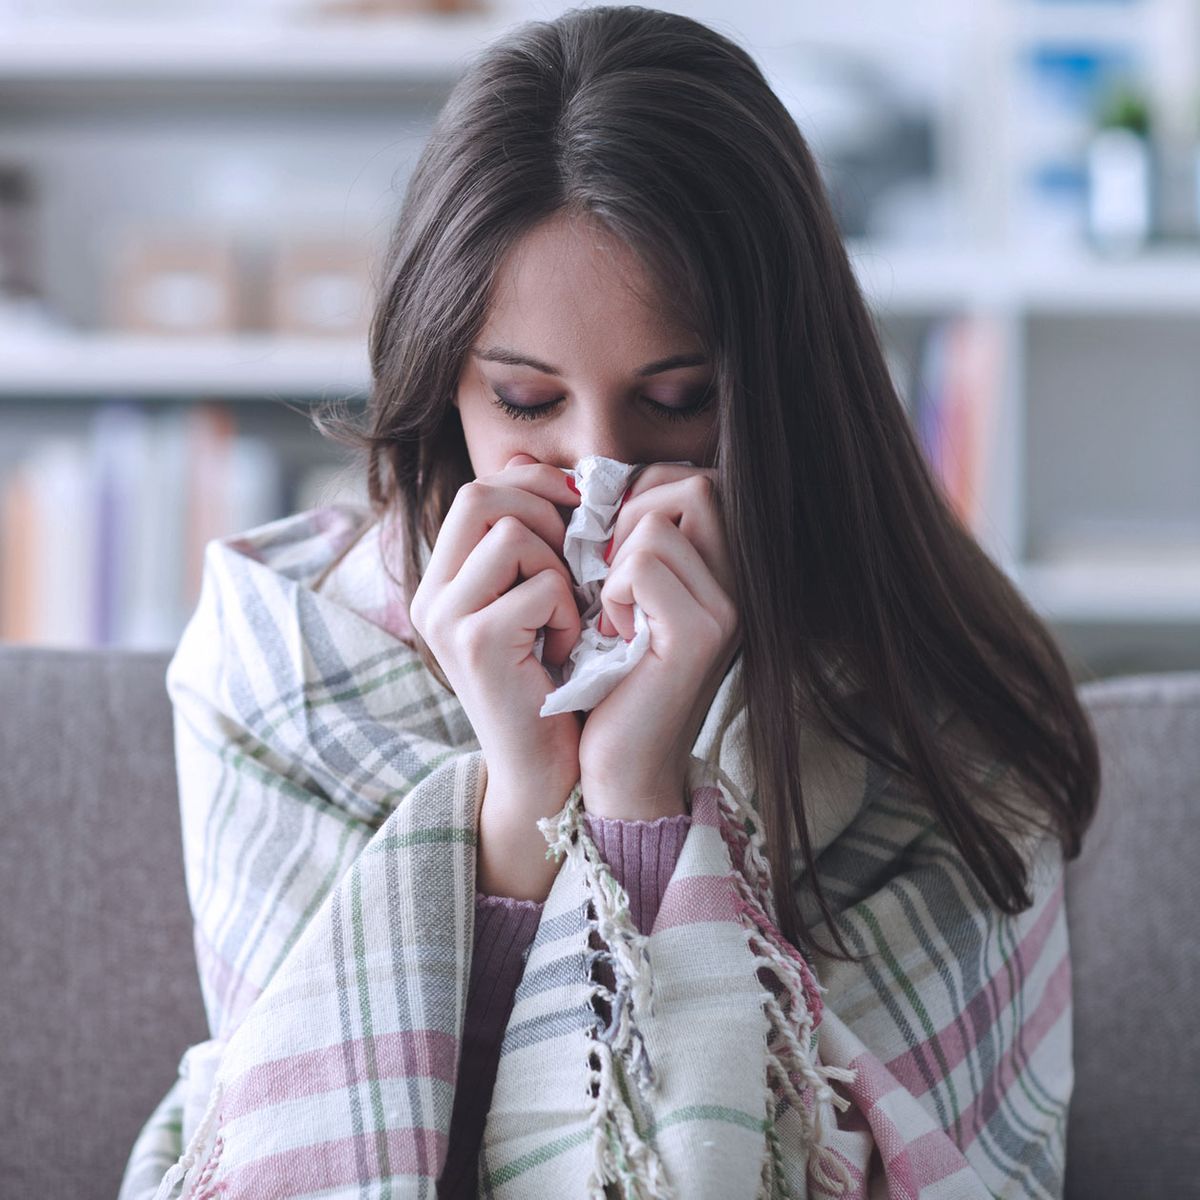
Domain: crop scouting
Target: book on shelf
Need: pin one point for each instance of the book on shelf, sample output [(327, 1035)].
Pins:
[(102, 533), (955, 409)]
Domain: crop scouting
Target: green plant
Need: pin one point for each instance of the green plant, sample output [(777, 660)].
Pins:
[(1125, 107)]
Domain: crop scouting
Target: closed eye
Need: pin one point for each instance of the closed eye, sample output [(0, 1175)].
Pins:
[(531, 412)]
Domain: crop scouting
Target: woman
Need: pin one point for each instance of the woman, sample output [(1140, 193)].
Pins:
[(616, 243)]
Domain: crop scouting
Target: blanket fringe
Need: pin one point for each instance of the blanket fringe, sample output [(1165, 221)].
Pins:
[(774, 1184), (621, 1154), (200, 1147), (792, 1025)]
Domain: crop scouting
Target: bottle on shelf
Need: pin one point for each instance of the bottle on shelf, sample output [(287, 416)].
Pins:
[(1121, 174)]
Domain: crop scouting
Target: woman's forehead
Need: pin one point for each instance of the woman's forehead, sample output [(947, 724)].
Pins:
[(570, 292)]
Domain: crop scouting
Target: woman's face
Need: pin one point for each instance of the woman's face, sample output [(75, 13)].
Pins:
[(565, 329)]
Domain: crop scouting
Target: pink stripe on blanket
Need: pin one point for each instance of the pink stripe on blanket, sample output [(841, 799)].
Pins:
[(916, 1164), (343, 1163), (935, 1155), (704, 806), (1054, 1003), (919, 1164), (233, 991), (328, 518), (393, 616), (426, 1053), (695, 898), (961, 1037), (910, 1164), (858, 1181), (245, 548)]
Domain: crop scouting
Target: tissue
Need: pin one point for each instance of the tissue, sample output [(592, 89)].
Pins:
[(596, 663)]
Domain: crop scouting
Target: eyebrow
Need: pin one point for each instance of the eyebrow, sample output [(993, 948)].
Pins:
[(502, 354)]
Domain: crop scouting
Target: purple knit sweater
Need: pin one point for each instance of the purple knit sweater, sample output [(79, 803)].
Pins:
[(642, 855)]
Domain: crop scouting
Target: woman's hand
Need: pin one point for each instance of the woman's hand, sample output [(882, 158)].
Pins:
[(668, 553), (495, 577)]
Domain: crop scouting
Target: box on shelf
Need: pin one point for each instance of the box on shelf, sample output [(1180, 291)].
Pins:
[(319, 286), (175, 283)]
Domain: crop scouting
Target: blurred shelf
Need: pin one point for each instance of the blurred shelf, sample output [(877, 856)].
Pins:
[(1114, 591), (249, 365), (1080, 21), (1155, 282), (914, 280), (926, 280), (165, 52), (897, 283)]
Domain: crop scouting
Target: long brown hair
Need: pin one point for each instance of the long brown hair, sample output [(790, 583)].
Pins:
[(844, 548)]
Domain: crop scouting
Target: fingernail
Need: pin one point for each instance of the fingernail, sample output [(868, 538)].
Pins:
[(608, 548), (572, 485)]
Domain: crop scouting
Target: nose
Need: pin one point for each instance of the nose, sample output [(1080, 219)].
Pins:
[(568, 461), (604, 439)]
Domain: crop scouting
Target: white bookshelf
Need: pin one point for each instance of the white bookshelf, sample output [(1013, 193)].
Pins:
[(901, 283), (155, 56), (1138, 591), (67, 82), (905, 280), (236, 367)]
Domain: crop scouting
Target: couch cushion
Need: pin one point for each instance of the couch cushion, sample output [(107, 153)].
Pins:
[(100, 994), (1132, 899)]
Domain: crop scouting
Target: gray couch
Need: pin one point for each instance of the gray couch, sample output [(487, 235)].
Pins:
[(99, 988)]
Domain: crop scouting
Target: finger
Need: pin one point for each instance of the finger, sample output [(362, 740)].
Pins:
[(653, 475), (658, 539), (678, 622), (531, 492), (658, 482), (564, 510), (537, 603), (690, 502), (508, 553)]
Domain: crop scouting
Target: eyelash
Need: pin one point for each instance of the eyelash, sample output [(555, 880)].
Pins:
[(532, 412)]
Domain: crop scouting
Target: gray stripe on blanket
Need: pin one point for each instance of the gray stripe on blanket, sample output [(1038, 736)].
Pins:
[(567, 969), (343, 769), (564, 925), (548, 1026), (562, 972)]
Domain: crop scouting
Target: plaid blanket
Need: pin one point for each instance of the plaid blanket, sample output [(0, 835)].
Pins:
[(329, 791)]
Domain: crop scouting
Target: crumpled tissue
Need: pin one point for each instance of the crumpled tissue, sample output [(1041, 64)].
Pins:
[(596, 663)]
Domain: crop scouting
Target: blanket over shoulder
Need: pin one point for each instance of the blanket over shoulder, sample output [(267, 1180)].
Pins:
[(329, 791)]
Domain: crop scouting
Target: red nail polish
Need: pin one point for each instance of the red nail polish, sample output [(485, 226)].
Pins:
[(572, 485), (627, 491), (608, 548)]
